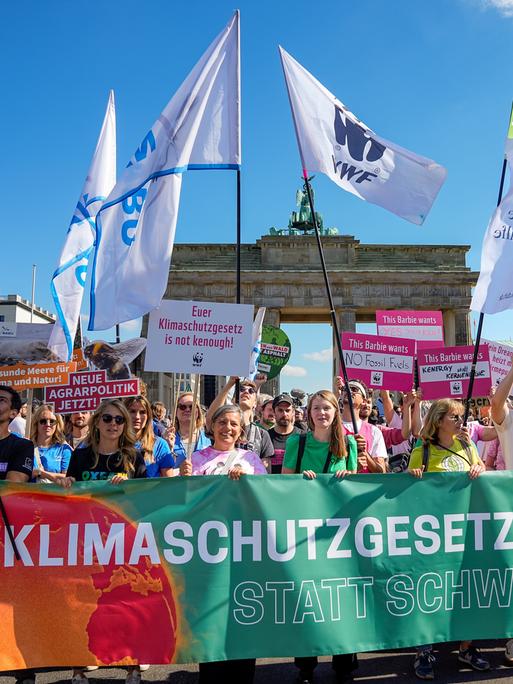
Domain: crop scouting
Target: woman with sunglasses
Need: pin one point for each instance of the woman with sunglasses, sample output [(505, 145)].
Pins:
[(51, 452), (155, 450), (109, 452), (446, 448), (178, 435)]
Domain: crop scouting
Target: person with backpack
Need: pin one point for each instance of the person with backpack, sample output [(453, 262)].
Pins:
[(445, 449), (324, 449)]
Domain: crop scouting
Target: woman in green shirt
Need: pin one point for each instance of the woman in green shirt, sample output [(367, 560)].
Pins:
[(324, 449)]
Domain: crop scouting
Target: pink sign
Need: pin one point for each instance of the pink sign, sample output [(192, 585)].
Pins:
[(381, 362), (426, 327), (445, 372), (85, 391)]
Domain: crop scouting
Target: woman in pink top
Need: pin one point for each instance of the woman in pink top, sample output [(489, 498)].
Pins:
[(224, 458)]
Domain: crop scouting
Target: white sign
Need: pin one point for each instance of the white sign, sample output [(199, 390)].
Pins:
[(200, 337), (500, 359), (7, 329)]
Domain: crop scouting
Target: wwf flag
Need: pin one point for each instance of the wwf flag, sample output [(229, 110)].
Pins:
[(332, 140)]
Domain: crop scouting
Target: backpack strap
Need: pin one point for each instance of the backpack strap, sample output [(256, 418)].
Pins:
[(425, 456), (300, 451), (327, 462)]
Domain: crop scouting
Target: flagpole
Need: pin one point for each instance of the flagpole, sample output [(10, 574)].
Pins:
[(237, 276), (481, 315), (332, 306)]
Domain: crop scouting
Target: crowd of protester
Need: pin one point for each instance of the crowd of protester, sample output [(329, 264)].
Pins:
[(342, 431)]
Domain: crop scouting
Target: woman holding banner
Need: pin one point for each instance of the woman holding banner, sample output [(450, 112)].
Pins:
[(155, 450), (445, 449), (51, 452), (324, 449), (179, 434), (224, 458)]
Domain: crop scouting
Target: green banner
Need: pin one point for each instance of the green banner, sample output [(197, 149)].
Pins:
[(202, 568)]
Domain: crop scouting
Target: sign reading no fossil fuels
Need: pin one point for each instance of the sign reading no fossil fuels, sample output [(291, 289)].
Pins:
[(200, 337), (186, 569)]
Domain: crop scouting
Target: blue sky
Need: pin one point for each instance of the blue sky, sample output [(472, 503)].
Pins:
[(432, 76)]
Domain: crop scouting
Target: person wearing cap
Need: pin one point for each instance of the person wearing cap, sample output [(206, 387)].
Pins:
[(285, 414), (372, 452), (265, 412), (256, 438)]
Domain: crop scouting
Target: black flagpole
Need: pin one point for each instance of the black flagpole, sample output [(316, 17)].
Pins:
[(481, 315), (237, 277), (332, 307), (8, 528)]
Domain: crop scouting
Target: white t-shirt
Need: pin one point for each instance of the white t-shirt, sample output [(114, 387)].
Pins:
[(18, 425), (378, 447), (505, 434)]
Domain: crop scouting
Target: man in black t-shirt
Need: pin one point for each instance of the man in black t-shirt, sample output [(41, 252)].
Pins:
[(284, 413), (16, 453)]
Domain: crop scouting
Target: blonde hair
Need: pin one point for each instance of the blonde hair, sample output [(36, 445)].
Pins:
[(200, 418), (338, 447), (126, 441), (146, 436), (58, 436), (437, 412)]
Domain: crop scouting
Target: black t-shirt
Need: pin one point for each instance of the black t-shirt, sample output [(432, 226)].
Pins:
[(279, 441), (82, 460), (16, 454)]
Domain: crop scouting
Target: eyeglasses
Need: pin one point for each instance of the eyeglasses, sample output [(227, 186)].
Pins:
[(456, 419), (184, 407), (248, 389), (47, 421), (107, 418)]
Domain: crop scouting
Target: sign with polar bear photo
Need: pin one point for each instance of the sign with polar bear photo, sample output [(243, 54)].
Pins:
[(381, 362), (446, 372), (200, 337)]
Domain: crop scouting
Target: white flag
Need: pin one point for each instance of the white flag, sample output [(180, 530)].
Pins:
[(198, 129), (67, 285), (256, 338), (494, 289), (333, 141)]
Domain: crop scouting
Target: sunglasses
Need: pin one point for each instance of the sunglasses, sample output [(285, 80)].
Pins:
[(107, 418), (456, 419), (248, 389), (47, 421), (184, 407)]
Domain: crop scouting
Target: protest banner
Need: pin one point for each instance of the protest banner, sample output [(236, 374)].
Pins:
[(85, 391), (275, 351), (426, 327), (445, 372), (200, 337), (501, 355), (415, 561), (381, 362), (23, 376)]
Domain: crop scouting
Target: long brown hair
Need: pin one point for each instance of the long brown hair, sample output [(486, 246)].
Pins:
[(338, 447), (200, 418), (126, 440), (58, 436), (146, 436)]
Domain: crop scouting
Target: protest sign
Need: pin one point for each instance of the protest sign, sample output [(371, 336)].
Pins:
[(85, 391), (381, 362), (426, 327), (348, 565), (200, 337), (27, 363), (501, 355), (275, 351), (445, 372)]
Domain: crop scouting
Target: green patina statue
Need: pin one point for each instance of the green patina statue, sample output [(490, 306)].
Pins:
[(301, 221)]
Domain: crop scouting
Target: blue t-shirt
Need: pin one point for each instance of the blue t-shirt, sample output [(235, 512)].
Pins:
[(179, 450), (55, 458), (162, 455)]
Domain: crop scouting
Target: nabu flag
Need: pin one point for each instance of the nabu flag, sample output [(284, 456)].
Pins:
[(198, 129), (333, 141), (494, 289), (68, 280)]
